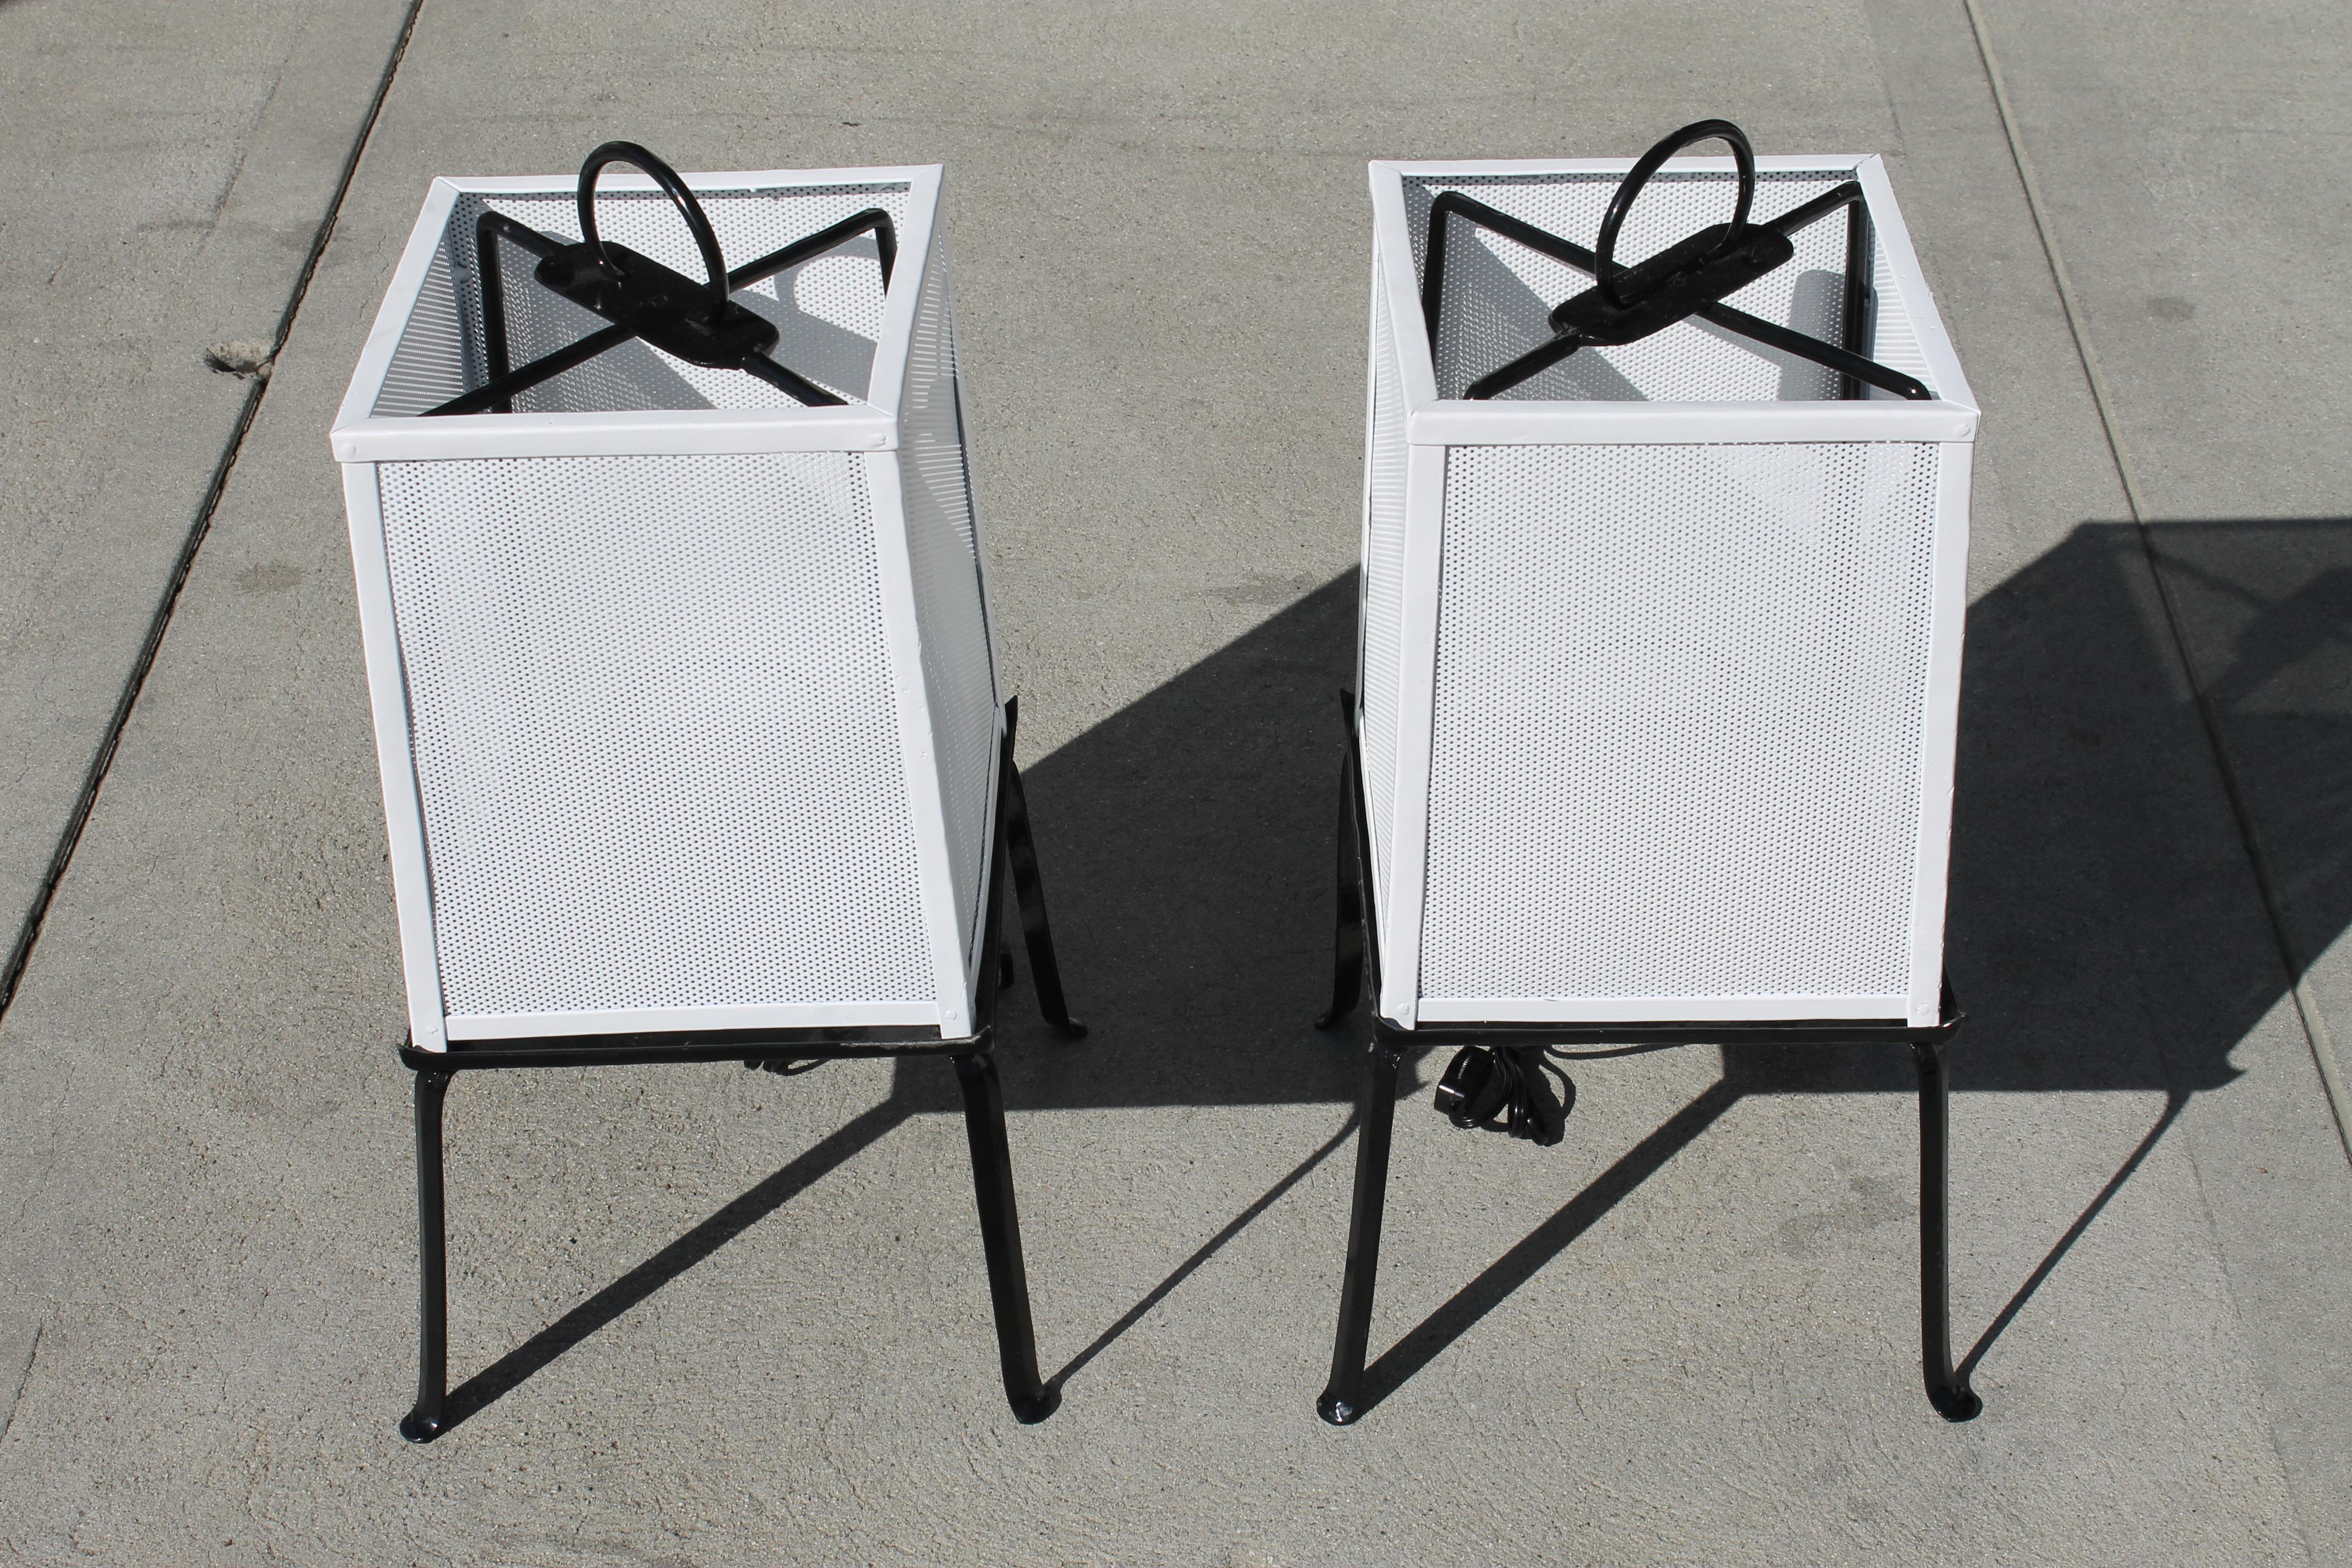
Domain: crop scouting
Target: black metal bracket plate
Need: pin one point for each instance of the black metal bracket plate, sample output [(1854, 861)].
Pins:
[(664, 307), (1676, 282)]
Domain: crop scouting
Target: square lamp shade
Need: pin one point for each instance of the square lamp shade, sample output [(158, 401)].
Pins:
[(684, 691), (1661, 646)]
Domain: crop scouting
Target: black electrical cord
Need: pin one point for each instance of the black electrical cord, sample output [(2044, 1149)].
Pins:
[(1508, 1089)]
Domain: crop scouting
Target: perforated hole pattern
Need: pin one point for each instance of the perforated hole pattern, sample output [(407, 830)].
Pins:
[(828, 311), (949, 610), (653, 731), (1384, 589), (1499, 294), (428, 367), (1680, 691)]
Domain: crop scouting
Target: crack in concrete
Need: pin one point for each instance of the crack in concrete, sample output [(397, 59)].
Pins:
[(8, 1419)]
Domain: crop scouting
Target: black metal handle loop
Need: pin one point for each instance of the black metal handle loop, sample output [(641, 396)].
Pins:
[(714, 265), (1742, 155)]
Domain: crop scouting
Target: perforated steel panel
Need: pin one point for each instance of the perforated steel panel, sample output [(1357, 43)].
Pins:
[(828, 311), (428, 368), (1383, 585), (951, 611), (654, 732), (1678, 721), (1499, 294)]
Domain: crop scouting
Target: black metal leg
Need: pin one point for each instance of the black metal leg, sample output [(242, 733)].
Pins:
[(1000, 1237), (423, 1424), (1342, 1399), (1021, 850), (1951, 1394), (1348, 934)]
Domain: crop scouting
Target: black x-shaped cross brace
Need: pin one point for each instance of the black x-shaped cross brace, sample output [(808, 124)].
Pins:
[(1626, 304), (698, 322)]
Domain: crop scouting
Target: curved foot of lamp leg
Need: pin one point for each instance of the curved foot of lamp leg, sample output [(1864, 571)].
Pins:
[(1037, 1406), (1956, 1404), (1336, 1410)]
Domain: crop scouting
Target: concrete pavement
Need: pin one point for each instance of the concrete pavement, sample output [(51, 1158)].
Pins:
[(170, 168), (706, 1315)]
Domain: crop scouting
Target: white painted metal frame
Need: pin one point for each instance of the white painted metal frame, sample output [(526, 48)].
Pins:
[(1435, 426), (870, 432)]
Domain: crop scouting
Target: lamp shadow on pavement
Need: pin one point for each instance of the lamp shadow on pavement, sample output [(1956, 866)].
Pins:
[(2104, 933)]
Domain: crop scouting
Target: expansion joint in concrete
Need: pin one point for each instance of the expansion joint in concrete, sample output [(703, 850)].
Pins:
[(28, 934)]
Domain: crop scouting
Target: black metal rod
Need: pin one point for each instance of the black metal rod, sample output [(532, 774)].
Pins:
[(544, 368), (488, 230), (1860, 251), (520, 233), (886, 245), (1854, 324), (1000, 1238), (791, 381), (1527, 366), (1806, 214), (1947, 1390), (1787, 340), (1453, 204), (1342, 1399), (1021, 849), (423, 1424), (1348, 905)]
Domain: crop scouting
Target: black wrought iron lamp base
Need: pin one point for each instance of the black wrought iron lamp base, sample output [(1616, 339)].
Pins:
[(1031, 1397), (1345, 1398)]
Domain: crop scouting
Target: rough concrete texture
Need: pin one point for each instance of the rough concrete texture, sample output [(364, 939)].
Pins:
[(168, 166), (707, 1316)]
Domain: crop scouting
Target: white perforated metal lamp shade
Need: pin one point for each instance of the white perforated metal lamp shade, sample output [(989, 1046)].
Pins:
[(1659, 651), (684, 693)]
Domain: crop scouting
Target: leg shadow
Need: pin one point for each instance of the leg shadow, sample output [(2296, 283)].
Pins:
[(1468, 1305), (511, 1370), (2173, 1105), (1208, 1249)]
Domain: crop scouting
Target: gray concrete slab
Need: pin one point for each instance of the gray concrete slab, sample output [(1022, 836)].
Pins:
[(2177, 150), (169, 167), (708, 1316)]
